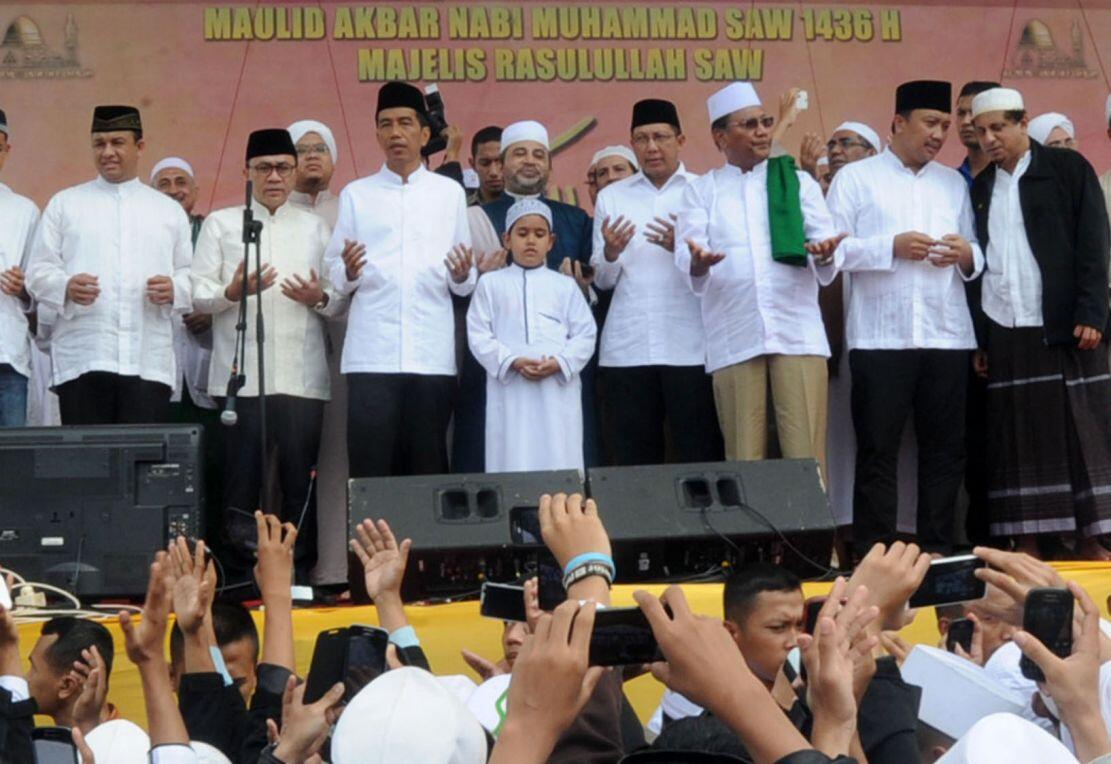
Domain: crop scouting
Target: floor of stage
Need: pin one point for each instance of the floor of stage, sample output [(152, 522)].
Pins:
[(445, 629)]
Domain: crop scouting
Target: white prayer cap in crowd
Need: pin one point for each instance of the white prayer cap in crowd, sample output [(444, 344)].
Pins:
[(488, 702), (527, 130), (461, 686), (298, 130), (176, 163), (120, 742), (524, 207), (731, 98), (405, 715), (864, 132), (997, 99), (624, 152), (208, 754), (956, 693), (1042, 125), (1006, 738)]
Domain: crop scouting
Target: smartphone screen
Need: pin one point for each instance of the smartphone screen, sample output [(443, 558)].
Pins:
[(504, 602), (960, 633), (1048, 616), (813, 607), (327, 663), (622, 637), (950, 580), (53, 745), (365, 658)]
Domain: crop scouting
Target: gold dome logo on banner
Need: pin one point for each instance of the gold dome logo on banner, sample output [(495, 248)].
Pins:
[(25, 54), (1036, 54)]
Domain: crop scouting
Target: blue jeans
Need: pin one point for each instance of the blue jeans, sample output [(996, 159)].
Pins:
[(13, 397)]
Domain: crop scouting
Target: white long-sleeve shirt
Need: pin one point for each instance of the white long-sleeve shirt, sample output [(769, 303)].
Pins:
[(292, 242), (1012, 287), (654, 318), (401, 319), (751, 304), (18, 216), (531, 313), (899, 304), (124, 234)]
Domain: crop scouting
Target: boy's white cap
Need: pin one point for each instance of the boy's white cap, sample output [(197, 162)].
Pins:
[(524, 207)]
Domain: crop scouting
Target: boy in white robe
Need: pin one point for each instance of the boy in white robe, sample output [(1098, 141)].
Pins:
[(532, 331)]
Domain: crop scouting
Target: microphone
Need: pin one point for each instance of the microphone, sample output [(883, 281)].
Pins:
[(228, 417)]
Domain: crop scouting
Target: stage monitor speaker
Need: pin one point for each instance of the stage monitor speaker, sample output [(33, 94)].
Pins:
[(86, 508), (466, 529), (681, 521)]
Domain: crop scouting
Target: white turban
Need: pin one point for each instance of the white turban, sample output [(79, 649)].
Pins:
[(524, 207), (528, 130), (119, 741), (176, 163), (615, 151), (731, 98), (864, 132), (997, 99), (1042, 125), (298, 130), (1007, 738)]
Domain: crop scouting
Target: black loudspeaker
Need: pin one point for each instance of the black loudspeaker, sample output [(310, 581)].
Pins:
[(86, 508), (466, 529), (676, 522)]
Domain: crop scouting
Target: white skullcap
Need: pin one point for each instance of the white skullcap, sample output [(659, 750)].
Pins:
[(997, 99), (1042, 125), (1007, 738), (171, 162), (624, 152), (731, 98), (528, 130), (462, 687), (405, 715), (487, 699), (864, 132), (120, 742), (956, 693), (208, 754), (524, 207), (298, 130)]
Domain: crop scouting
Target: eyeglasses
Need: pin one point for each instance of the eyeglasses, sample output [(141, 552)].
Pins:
[(643, 139), (845, 144), (283, 169), (767, 122), (315, 148)]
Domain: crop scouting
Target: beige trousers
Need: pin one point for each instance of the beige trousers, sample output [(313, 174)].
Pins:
[(800, 389)]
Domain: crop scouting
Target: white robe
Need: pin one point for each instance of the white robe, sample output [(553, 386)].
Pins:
[(531, 313)]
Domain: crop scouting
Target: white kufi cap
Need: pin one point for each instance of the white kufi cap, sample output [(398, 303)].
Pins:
[(298, 130), (1042, 125), (1006, 738), (864, 132), (528, 130), (524, 207), (171, 162), (624, 152), (120, 742), (997, 99), (731, 98)]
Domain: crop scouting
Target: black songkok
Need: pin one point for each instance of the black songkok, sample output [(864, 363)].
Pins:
[(924, 94), (655, 111), (269, 142), (395, 95), (108, 119)]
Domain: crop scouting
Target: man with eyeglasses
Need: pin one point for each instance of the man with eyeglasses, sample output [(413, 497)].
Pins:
[(851, 142), (109, 268), (316, 162), (753, 240), (292, 244), (653, 348), (911, 247)]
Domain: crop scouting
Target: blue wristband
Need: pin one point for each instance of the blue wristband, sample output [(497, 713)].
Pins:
[(404, 637), (582, 559), (221, 667)]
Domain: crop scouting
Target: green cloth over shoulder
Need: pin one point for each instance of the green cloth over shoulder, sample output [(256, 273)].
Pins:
[(785, 212)]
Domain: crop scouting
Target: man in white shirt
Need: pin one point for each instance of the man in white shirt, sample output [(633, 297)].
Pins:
[(20, 216), (388, 250), (316, 162), (743, 242), (292, 241), (1043, 320), (653, 349), (110, 267), (910, 247)]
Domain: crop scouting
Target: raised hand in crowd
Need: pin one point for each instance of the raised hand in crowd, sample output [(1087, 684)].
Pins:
[(617, 235), (661, 232), (454, 137), (83, 289), (354, 258), (811, 150), (274, 577), (384, 562), (1073, 682), (92, 673), (233, 292), (571, 528), (305, 726), (306, 291), (192, 592), (702, 260), (788, 113), (891, 575), (458, 263), (487, 669), (895, 646), (552, 682), (975, 652)]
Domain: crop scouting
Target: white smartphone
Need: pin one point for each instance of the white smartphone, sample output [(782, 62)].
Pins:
[(802, 101)]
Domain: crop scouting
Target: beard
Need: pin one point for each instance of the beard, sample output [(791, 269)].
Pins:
[(526, 186)]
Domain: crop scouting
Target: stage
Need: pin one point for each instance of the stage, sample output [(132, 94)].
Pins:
[(445, 629)]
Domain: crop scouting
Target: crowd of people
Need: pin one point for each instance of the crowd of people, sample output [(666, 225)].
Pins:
[(753, 684), (808, 308)]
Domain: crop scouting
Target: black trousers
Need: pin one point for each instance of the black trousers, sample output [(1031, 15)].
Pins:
[(397, 423), (889, 385), (643, 400), (293, 431), (977, 522), (101, 397)]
